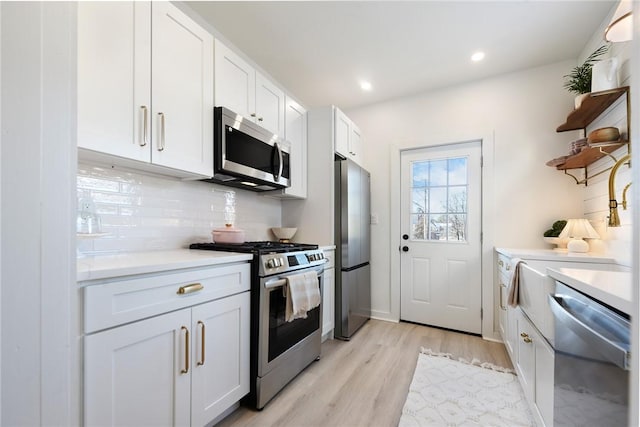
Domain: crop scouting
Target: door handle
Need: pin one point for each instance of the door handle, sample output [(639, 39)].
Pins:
[(405, 237), (405, 249)]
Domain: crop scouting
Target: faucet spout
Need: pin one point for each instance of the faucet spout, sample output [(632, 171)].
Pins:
[(614, 219)]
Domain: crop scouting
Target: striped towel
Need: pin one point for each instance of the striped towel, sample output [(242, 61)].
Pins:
[(303, 294), (514, 282)]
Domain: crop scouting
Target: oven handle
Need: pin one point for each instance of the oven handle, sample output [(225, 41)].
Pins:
[(611, 350), (275, 283)]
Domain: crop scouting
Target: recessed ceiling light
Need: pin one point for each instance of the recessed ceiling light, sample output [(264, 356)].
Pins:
[(364, 85), (478, 56)]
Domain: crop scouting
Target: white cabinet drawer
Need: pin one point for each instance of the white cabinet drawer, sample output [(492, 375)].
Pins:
[(111, 304)]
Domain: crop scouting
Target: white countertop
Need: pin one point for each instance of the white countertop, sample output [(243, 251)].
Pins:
[(610, 287), (551, 255), (125, 264)]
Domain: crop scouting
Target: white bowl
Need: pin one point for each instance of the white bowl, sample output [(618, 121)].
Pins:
[(284, 233)]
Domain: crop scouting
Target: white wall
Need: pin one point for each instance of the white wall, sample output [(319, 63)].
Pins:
[(142, 212), (616, 242), (522, 111), (39, 358)]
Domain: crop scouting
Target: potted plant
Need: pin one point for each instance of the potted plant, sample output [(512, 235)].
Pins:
[(578, 81), (552, 235)]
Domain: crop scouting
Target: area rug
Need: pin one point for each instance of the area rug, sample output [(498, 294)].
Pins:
[(449, 392)]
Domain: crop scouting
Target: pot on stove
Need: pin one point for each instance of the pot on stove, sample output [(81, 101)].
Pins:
[(228, 234)]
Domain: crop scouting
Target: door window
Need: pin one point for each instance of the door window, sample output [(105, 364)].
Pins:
[(439, 199)]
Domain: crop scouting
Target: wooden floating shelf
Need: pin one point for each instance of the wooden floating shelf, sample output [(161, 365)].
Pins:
[(590, 155), (592, 106)]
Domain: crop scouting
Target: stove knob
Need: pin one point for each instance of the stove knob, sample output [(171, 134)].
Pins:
[(271, 263), (278, 262)]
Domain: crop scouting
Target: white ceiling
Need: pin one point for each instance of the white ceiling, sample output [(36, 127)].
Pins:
[(320, 50)]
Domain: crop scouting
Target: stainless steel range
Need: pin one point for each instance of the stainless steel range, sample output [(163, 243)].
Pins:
[(280, 350)]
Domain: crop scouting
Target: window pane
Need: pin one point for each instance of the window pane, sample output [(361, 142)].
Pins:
[(458, 171), (419, 200), (438, 227), (457, 227), (420, 173), (458, 199), (418, 227), (438, 200), (438, 172)]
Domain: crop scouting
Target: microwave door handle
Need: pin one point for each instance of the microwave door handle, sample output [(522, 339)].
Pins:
[(280, 165)]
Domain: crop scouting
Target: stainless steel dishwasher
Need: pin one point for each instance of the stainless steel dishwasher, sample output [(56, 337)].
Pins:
[(591, 375)]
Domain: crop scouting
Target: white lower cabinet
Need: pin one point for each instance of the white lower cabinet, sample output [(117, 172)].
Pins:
[(535, 361), (328, 296), (181, 368), (132, 374)]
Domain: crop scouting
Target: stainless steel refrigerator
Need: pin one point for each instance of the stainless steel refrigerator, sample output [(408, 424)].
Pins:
[(353, 247)]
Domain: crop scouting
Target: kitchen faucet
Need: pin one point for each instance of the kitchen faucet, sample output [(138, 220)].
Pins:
[(614, 219)]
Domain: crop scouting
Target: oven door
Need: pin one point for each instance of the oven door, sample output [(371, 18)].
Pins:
[(280, 340)]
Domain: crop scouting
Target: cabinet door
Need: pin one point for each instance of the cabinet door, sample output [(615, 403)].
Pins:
[(269, 105), (182, 88), (296, 134), (342, 124), (355, 143), (544, 379), (328, 301), (220, 356), (114, 78), (526, 356), (133, 373), (235, 82)]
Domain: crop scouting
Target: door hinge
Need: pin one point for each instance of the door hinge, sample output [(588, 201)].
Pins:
[(481, 161), (481, 314), (481, 237)]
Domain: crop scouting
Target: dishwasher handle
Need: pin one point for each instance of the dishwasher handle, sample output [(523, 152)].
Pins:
[(614, 352)]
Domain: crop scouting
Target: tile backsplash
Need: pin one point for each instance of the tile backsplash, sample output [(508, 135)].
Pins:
[(141, 212)]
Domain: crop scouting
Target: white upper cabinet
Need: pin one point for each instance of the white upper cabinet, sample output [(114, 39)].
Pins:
[(348, 139), (296, 134), (114, 78), (182, 90), (119, 75), (235, 82), (342, 124), (243, 90), (270, 105)]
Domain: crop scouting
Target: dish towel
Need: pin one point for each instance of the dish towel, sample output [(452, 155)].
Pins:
[(512, 291), (303, 294)]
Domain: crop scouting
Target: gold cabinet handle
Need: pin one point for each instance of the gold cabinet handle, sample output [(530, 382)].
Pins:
[(187, 289), (527, 340), (186, 350), (253, 114), (501, 263), (145, 125), (202, 331), (524, 335), (502, 306), (260, 119), (161, 144)]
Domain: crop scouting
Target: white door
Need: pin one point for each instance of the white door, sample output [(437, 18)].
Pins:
[(134, 374), (182, 89), (114, 78), (296, 134), (441, 242), (235, 82), (269, 105), (220, 374)]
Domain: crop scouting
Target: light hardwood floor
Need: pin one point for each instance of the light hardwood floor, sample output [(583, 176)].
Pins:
[(363, 382)]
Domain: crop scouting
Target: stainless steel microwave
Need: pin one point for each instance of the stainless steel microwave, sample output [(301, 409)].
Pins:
[(247, 155)]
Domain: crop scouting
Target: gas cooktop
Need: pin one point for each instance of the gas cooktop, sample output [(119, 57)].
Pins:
[(255, 247)]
